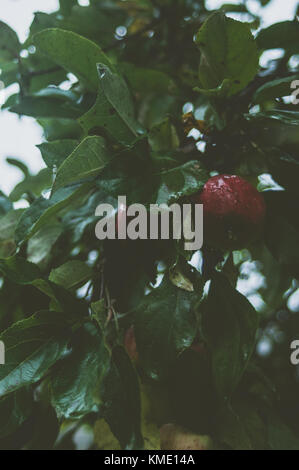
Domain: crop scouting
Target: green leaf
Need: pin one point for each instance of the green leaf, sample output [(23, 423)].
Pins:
[(41, 22), (54, 153), (97, 22), (282, 231), (65, 301), (229, 52), (44, 417), (66, 6), (275, 128), (128, 174), (206, 111), (9, 73), (57, 129), (15, 409), (59, 46), (155, 408), (146, 81), (278, 281), (8, 224), (88, 159), (284, 167), (76, 383), (40, 245), (222, 91), (103, 436), (264, 2), (280, 436), (274, 89), (5, 204), (32, 347), (71, 274), (163, 137), (41, 79), (19, 270), (121, 401), (192, 398), (113, 111), (233, 7), (231, 430), (165, 325), (99, 312), (43, 210), (18, 164), (157, 107), (229, 325), (46, 107), (181, 278), (142, 183), (180, 181), (9, 43), (280, 35), (32, 184), (252, 421)]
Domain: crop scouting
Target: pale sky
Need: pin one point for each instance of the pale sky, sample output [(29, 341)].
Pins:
[(20, 136)]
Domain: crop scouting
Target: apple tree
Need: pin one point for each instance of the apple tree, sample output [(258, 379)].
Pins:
[(141, 344)]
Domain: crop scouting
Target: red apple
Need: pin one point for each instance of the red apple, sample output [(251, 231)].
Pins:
[(234, 212)]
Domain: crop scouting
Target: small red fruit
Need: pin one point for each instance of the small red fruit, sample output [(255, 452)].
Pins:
[(130, 344), (234, 212)]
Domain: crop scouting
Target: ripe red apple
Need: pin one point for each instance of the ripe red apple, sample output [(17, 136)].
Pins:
[(174, 437), (234, 212)]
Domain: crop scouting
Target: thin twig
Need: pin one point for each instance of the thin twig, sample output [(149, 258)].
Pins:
[(102, 281), (111, 310), (88, 290)]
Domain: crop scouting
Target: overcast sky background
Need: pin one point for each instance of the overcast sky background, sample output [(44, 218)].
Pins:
[(19, 137)]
